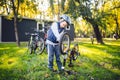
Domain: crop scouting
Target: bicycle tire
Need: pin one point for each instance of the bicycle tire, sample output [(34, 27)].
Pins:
[(75, 51), (40, 46), (64, 43)]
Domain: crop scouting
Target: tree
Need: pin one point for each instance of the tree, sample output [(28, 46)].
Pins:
[(15, 8), (89, 10), (111, 17), (12, 8)]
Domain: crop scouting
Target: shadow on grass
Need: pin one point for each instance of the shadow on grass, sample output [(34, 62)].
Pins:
[(11, 74)]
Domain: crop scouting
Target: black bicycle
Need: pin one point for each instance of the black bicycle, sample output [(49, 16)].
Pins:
[(36, 42), (67, 53)]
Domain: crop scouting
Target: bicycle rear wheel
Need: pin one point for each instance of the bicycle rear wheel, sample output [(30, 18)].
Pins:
[(75, 51), (64, 43), (40, 46)]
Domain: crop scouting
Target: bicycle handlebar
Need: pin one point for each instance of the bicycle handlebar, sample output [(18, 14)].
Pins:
[(32, 34)]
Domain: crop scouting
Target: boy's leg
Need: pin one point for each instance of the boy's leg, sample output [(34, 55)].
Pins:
[(57, 54), (50, 56)]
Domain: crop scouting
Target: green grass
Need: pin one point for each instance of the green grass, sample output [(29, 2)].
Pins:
[(98, 62)]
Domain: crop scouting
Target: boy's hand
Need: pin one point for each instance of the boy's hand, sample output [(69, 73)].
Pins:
[(58, 39)]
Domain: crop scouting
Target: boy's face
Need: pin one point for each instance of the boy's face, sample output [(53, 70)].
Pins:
[(63, 24)]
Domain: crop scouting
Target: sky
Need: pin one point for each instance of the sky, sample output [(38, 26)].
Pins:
[(43, 4)]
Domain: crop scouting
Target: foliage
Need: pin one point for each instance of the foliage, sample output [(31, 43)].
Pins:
[(27, 8), (98, 62), (57, 7), (104, 12)]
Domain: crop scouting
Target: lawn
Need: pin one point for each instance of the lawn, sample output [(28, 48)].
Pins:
[(96, 62)]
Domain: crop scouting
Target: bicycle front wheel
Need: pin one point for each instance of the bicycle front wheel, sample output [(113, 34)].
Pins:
[(64, 43), (40, 46)]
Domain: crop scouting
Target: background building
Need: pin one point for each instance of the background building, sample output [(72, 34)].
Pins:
[(25, 25)]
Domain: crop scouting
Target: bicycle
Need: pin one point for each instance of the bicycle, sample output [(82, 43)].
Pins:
[(65, 50), (36, 44)]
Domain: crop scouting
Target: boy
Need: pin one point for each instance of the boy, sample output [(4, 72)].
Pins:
[(53, 38)]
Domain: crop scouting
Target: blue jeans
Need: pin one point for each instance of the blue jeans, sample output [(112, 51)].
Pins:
[(53, 50)]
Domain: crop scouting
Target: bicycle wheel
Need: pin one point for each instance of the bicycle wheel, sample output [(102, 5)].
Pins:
[(64, 43), (40, 46), (75, 52)]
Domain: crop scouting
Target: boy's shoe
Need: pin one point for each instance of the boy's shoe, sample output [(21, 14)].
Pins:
[(62, 68)]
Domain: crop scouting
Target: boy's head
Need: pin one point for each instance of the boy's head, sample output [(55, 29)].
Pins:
[(65, 21)]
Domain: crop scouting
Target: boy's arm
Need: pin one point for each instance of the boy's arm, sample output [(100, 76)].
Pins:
[(55, 31)]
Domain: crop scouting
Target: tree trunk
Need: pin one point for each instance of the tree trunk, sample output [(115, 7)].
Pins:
[(117, 26), (15, 12), (96, 30), (97, 34), (16, 31)]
